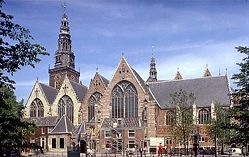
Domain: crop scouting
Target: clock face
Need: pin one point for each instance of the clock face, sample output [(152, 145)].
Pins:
[(72, 77)]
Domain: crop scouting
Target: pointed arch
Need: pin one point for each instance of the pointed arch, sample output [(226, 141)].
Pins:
[(66, 107), (169, 118), (92, 101), (124, 100), (204, 116), (36, 108)]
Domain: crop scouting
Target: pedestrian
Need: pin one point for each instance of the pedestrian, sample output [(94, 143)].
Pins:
[(160, 150), (141, 151)]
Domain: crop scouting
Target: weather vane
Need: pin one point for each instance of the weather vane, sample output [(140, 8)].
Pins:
[(63, 4), (152, 48)]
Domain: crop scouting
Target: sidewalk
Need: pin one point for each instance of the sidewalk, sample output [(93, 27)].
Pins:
[(120, 155)]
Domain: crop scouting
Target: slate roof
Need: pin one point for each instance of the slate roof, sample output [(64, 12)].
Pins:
[(43, 121), (64, 125), (128, 122), (49, 92), (206, 90), (141, 81), (79, 89), (106, 82)]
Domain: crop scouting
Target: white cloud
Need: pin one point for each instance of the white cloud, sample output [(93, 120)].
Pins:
[(218, 56)]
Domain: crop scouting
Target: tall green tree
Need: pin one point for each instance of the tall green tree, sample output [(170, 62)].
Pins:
[(217, 129), (16, 51), (240, 111), (13, 130), (182, 125)]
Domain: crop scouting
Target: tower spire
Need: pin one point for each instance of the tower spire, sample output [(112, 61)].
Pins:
[(153, 71), (64, 57), (64, 66)]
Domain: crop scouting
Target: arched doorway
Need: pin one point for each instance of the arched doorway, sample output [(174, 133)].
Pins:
[(83, 146)]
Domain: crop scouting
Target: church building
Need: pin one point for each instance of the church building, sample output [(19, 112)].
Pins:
[(118, 115)]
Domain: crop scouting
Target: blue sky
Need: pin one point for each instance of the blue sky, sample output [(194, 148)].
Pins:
[(185, 34)]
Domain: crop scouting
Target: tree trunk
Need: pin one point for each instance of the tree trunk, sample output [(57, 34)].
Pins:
[(187, 145), (215, 145), (184, 142), (222, 147)]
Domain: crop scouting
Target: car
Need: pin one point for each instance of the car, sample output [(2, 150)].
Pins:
[(233, 151)]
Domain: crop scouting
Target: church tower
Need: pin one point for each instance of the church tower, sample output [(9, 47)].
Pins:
[(153, 72), (64, 57)]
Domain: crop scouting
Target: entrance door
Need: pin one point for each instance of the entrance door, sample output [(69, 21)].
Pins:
[(82, 146)]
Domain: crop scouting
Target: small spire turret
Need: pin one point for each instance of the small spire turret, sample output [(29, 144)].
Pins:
[(178, 75), (153, 71), (207, 72)]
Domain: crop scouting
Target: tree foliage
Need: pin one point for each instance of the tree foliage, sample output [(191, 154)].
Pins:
[(16, 48), (16, 51), (240, 111), (182, 125), (13, 130), (217, 129)]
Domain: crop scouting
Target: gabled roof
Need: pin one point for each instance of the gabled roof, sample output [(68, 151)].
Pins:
[(127, 122), (105, 81), (43, 121), (64, 125), (206, 90), (49, 92), (79, 89)]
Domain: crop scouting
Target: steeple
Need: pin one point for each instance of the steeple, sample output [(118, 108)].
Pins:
[(64, 57), (153, 72), (207, 73), (178, 75)]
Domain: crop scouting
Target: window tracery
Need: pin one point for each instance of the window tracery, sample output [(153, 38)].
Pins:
[(124, 100), (66, 107), (93, 100), (169, 119), (204, 116), (36, 108)]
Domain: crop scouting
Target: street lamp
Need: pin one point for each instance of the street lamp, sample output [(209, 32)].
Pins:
[(195, 143)]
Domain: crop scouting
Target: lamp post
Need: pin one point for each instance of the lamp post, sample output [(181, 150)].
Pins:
[(96, 125), (195, 144)]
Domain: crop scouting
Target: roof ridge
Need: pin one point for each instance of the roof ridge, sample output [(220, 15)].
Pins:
[(162, 81), (47, 85), (103, 79), (57, 124), (71, 81)]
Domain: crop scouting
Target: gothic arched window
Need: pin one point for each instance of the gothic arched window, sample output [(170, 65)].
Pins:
[(169, 118), (32, 110), (124, 100), (36, 108), (93, 100), (204, 116), (65, 107)]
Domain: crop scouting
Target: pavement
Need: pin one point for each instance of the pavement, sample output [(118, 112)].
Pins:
[(119, 155)]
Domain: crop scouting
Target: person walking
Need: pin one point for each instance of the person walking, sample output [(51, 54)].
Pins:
[(160, 150)]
